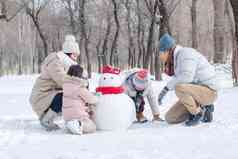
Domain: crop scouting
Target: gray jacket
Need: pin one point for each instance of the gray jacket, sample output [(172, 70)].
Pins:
[(190, 66), (148, 93)]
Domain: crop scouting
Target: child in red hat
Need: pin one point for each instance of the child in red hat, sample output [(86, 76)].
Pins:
[(138, 86)]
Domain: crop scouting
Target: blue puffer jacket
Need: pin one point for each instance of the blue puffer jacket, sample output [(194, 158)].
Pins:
[(190, 66)]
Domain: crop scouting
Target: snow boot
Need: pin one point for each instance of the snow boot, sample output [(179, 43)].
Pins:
[(74, 127), (88, 126), (208, 113), (141, 118), (47, 120), (193, 119), (156, 118)]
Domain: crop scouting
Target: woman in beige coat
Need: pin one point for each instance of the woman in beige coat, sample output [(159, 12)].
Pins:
[(46, 95)]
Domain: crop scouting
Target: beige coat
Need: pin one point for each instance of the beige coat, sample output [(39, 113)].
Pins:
[(50, 81), (75, 98)]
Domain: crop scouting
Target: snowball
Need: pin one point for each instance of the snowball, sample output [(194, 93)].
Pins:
[(115, 112)]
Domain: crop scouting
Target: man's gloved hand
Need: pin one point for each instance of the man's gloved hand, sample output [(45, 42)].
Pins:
[(162, 95)]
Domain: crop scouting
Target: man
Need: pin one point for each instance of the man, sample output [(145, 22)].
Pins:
[(46, 96), (194, 81), (138, 86)]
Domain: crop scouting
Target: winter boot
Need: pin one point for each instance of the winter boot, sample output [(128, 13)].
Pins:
[(208, 113), (47, 120), (74, 127), (141, 118), (156, 118), (88, 126), (193, 119)]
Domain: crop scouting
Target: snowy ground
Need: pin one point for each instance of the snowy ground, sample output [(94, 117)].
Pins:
[(21, 136)]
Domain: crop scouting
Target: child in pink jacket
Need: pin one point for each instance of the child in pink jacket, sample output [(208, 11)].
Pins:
[(77, 101)]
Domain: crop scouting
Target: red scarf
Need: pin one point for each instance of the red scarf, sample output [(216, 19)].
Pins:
[(110, 90), (169, 65)]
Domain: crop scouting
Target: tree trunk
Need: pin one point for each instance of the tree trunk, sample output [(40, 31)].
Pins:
[(130, 36), (164, 28), (219, 34), (114, 51), (194, 24), (85, 36), (99, 55), (1, 62), (164, 20), (234, 4), (34, 15), (139, 34), (105, 42), (151, 34)]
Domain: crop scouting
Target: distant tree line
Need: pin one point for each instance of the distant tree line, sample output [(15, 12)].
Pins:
[(123, 33)]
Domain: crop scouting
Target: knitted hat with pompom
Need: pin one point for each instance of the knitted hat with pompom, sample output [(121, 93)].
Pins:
[(70, 45)]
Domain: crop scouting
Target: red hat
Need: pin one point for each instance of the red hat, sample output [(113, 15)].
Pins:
[(141, 79), (111, 70)]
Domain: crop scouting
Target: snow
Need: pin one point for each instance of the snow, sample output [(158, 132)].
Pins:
[(21, 136)]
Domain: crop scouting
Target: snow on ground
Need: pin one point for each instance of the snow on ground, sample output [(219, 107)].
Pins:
[(21, 136)]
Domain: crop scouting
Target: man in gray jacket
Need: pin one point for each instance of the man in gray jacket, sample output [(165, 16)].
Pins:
[(194, 81)]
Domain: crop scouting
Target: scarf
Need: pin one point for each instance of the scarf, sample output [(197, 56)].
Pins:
[(110, 90), (169, 64)]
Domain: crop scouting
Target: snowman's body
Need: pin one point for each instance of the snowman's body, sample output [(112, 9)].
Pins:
[(115, 110)]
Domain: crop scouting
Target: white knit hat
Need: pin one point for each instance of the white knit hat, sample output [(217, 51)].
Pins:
[(70, 45)]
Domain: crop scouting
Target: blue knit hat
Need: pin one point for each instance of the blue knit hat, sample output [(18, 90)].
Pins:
[(166, 42)]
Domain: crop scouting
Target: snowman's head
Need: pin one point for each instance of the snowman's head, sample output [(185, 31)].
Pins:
[(110, 77)]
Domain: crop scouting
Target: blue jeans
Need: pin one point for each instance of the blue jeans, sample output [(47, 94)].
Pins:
[(57, 103)]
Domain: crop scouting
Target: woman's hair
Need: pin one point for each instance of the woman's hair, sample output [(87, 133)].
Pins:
[(76, 71)]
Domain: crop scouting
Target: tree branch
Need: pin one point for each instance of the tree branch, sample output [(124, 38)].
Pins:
[(174, 8)]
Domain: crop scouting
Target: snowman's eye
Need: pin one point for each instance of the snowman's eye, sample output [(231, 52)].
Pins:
[(104, 78)]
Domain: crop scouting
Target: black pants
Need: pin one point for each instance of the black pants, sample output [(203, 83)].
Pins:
[(57, 103), (139, 104)]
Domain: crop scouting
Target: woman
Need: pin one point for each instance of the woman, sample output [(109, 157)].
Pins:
[(46, 96), (194, 81)]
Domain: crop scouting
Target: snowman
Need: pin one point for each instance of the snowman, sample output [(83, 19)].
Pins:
[(115, 110)]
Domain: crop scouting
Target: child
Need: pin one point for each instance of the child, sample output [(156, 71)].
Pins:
[(76, 101)]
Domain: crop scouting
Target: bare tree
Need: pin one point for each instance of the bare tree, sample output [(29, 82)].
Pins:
[(4, 13), (105, 41), (1, 62), (114, 52), (33, 9), (140, 33), (219, 33), (131, 45), (152, 6), (73, 8), (194, 24), (85, 34), (234, 4)]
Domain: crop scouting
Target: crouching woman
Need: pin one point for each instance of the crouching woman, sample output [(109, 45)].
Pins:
[(46, 95)]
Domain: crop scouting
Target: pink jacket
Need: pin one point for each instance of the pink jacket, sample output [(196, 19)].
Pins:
[(75, 97)]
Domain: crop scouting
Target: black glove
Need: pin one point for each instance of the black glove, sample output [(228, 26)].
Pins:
[(162, 94)]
